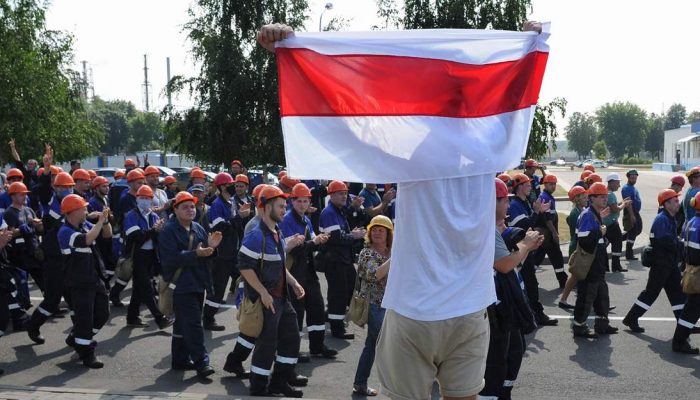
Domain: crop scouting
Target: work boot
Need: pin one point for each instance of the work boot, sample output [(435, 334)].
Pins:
[(684, 347), (34, 334), (114, 297), (279, 382), (543, 319), (205, 372), (633, 324), (164, 322), (87, 356), (188, 366), (297, 379), (325, 352), (338, 331), (303, 358), (583, 331), (135, 323), (211, 325), (629, 252), (602, 326), (616, 266), (235, 366), (258, 385)]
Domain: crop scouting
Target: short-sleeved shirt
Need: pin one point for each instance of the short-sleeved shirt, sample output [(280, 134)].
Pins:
[(689, 210), (631, 192), (501, 248), (614, 216)]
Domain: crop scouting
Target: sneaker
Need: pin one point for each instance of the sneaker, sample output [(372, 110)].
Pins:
[(633, 324), (298, 380), (205, 372), (188, 366), (584, 332), (213, 326)]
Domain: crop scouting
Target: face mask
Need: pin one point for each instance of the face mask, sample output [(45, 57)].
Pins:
[(65, 192), (231, 190), (144, 204)]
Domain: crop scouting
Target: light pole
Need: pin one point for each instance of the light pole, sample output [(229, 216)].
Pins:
[(329, 6)]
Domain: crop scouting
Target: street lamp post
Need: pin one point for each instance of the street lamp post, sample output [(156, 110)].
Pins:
[(328, 6)]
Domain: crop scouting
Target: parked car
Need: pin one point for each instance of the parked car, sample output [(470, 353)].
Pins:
[(181, 169), (595, 163), (183, 178), (559, 162), (107, 172), (256, 177)]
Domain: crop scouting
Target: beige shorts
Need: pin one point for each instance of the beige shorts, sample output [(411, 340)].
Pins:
[(412, 354)]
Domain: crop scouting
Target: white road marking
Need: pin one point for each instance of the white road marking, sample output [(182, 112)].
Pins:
[(650, 319)]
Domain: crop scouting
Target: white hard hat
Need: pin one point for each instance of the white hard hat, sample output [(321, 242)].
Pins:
[(613, 177)]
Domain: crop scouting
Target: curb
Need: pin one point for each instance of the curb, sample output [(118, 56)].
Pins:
[(101, 394)]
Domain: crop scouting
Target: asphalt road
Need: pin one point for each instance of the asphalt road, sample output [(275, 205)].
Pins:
[(622, 366)]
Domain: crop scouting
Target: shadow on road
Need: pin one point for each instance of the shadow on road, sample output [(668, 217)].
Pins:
[(594, 356)]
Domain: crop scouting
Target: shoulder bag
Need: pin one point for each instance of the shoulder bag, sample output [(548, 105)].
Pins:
[(166, 289), (250, 314), (359, 307)]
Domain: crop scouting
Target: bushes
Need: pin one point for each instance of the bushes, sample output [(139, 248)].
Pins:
[(635, 161)]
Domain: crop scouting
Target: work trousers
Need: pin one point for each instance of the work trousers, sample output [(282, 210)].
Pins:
[(54, 289), (614, 235), (188, 334), (144, 264), (91, 312), (591, 294), (660, 278), (341, 283), (506, 350), (279, 340), (527, 272), (688, 318), (222, 268), (553, 251), (311, 306)]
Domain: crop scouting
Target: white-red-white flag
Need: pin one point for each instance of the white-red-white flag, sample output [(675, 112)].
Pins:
[(407, 106)]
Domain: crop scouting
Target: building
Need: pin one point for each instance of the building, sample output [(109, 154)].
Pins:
[(682, 147)]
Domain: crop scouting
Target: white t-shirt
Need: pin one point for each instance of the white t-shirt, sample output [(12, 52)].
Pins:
[(159, 200), (443, 267)]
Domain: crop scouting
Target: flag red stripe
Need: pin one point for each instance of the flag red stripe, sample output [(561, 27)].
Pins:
[(313, 84)]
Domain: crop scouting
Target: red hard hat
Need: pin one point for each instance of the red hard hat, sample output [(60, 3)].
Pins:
[(695, 201), (289, 182), (693, 171), (258, 189), (519, 179), (71, 203), (593, 178), (15, 173), (549, 179), (501, 189), (589, 167), (81, 175), (678, 180), (63, 179), (598, 189), (270, 192), (168, 180), (337, 186), (281, 174), (575, 191), (92, 174), (585, 174), (151, 170), (505, 178), (242, 178), (198, 173), (17, 187), (134, 174), (530, 163), (236, 162), (222, 178), (666, 195), (118, 174), (300, 190), (129, 163), (182, 197), (55, 170), (99, 181), (145, 191)]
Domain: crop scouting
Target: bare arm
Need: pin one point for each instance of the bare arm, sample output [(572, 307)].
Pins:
[(383, 270)]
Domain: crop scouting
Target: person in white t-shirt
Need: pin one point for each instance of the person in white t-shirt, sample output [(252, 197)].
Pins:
[(440, 283)]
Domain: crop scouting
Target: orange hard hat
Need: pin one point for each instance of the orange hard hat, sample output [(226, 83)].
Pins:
[(589, 167), (575, 191), (519, 179), (129, 163), (17, 187), (585, 174), (15, 173), (258, 189), (270, 192), (695, 201), (281, 174), (530, 163), (598, 189), (182, 197), (505, 178), (168, 180), (501, 189), (678, 180), (64, 179), (593, 178), (236, 162), (92, 173), (337, 186), (71, 203), (300, 190), (289, 182), (118, 174), (55, 170), (145, 191), (242, 178), (81, 175), (693, 171), (666, 195), (197, 173), (134, 175), (99, 181), (549, 179), (150, 170)]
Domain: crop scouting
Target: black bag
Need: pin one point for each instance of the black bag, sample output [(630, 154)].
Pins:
[(646, 256)]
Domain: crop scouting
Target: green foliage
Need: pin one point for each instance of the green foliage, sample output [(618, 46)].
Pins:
[(635, 161), (467, 14), (127, 129), (236, 114), (600, 150), (544, 130), (623, 127), (675, 116), (40, 96), (655, 135), (388, 11), (693, 116), (581, 133)]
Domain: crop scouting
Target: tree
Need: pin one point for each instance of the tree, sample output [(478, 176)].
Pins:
[(544, 130), (145, 132), (581, 133), (388, 12), (675, 116), (655, 136), (236, 114), (693, 116), (600, 150), (113, 117), (40, 96), (623, 127)]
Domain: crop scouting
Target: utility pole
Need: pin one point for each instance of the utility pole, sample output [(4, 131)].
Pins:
[(85, 80), (145, 80), (167, 84)]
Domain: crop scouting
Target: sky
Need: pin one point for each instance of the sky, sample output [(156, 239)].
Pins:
[(600, 51)]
